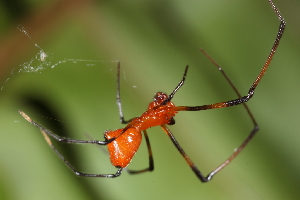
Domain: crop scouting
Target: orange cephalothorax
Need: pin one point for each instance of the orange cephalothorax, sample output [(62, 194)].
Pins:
[(156, 114), (123, 148)]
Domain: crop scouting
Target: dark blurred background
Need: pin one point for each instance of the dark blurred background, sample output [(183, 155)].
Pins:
[(73, 93)]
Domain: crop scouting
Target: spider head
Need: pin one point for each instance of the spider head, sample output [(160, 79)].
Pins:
[(159, 98)]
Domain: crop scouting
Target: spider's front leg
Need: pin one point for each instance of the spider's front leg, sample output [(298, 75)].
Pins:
[(46, 133)]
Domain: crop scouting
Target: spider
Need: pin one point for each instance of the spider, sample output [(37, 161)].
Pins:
[(123, 143)]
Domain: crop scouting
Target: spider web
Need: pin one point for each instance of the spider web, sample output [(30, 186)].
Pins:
[(43, 60)]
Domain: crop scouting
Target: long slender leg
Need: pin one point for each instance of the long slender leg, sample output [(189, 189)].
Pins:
[(191, 163), (177, 87), (78, 173), (151, 161), (246, 98), (119, 103), (231, 84), (240, 100), (62, 139), (253, 131), (186, 157)]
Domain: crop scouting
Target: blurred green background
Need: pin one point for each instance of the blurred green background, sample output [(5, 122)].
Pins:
[(154, 40)]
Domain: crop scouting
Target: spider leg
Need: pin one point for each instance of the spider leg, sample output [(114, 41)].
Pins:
[(232, 86), (119, 103), (192, 164), (253, 131), (46, 133), (246, 98), (151, 161), (63, 139), (240, 100), (177, 87), (78, 173), (185, 156)]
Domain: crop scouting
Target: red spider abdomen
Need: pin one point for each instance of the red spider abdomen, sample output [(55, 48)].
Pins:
[(123, 148)]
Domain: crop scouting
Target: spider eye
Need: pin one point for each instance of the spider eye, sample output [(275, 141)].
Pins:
[(160, 97)]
